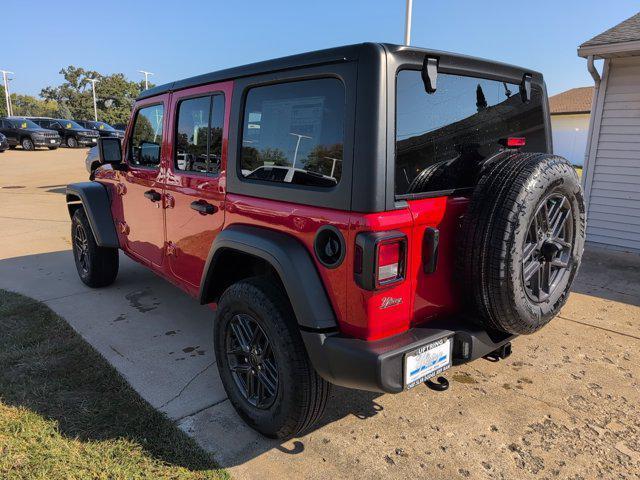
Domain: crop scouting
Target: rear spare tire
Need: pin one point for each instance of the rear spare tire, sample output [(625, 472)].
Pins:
[(522, 240)]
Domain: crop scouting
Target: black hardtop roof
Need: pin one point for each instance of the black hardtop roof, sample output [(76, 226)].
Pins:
[(318, 57)]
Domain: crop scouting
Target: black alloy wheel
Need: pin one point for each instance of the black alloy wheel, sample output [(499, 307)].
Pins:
[(82, 248), (251, 361), (27, 144), (547, 247)]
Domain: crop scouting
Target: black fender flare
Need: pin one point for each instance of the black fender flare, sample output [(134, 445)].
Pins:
[(97, 206), (291, 261)]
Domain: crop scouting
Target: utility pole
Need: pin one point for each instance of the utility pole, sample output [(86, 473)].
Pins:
[(146, 78), (295, 155), (95, 107), (407, 23), (6, 91), (333, 165)]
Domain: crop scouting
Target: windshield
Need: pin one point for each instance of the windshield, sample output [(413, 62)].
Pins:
[(70, 125), (22, 123), (443, 138), (100, 126)]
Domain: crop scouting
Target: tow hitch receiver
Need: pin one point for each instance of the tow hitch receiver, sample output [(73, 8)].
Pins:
[(499, 353)]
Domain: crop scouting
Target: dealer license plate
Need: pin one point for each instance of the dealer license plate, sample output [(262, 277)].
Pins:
[(426, 362)]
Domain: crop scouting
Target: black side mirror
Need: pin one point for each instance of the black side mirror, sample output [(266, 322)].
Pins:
[(110, 150)]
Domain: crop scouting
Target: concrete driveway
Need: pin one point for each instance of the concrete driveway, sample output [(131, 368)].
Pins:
[(566, 404)]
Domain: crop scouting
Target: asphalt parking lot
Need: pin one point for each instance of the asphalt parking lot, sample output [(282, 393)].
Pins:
[(565, 405)]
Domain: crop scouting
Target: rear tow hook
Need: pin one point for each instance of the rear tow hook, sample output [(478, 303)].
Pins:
[(440, 385), (499, 353)]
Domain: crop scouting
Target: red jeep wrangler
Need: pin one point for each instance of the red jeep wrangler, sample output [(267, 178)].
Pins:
[(365, 216)]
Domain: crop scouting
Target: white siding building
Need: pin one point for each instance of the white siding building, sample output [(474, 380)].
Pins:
[(611, 176)]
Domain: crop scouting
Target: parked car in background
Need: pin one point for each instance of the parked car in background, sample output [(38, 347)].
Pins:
[(27, 134), (4, 143), (103, 129), (120, 126), (72, 134), (92, 161)]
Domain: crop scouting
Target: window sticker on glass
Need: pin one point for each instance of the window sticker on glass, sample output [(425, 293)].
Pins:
[(68, 125), (255, 117)]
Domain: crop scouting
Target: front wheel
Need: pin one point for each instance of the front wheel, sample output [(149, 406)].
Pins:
[(72, 142), (27, 144), (97, 266), (263, 362)]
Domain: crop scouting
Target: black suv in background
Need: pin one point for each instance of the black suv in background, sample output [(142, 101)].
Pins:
[(24, 132), (73, 135), (103, 129), (4, 143)]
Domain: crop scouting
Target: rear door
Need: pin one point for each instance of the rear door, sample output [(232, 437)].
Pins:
[(442, 140), (195, 183), (140, 187)]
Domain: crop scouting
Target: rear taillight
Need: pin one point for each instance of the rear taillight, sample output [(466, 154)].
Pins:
[(388, 261), (380, 259)]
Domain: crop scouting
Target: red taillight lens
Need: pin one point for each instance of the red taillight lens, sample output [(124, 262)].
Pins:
[(380, 259), (388, 261), (513, 142)]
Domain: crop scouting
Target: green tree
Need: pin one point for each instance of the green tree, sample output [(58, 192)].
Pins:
[(115, 95), (320, 159), (28, 106), (3, 102)]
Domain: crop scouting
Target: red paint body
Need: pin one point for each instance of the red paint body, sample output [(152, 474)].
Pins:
[(174, 240)]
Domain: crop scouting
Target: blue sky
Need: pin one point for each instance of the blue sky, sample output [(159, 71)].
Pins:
[(181, 38)]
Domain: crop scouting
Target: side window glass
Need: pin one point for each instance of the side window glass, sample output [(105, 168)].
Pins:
[(199, 134), (192, 133), (294, 132), (215, 139), (144, 150)]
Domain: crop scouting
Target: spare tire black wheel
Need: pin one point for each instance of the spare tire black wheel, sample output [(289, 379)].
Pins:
[(522, 240)]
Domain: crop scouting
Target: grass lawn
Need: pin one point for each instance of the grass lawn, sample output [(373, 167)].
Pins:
[(65, 413)]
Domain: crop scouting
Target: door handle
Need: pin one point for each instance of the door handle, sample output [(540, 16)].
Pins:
[(203, 207), (152, 195)]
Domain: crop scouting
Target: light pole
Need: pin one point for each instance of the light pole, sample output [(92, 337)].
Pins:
[(6, 91), (93, 88), (407, 23), (295, 154), (146, 78), (333, 165)]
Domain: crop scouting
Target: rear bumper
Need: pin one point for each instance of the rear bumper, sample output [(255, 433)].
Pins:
[(379, 365)]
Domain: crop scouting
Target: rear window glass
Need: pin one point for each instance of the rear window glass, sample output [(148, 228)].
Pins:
[(442, 138), (294, 133)]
